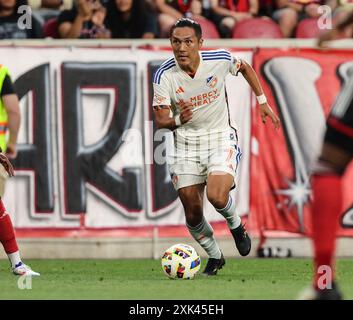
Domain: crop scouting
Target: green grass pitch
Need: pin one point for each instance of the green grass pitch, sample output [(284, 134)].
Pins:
[(144, 279)]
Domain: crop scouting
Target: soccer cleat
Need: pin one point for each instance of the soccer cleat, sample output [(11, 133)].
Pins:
[(242, 240), (213, 265), (321, 294), (22, 269)]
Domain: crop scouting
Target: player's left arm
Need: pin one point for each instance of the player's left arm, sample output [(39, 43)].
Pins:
[(14, 120), (11, 103), (250, 75)]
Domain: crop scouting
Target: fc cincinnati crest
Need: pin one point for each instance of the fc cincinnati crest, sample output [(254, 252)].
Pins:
[(211, 81)]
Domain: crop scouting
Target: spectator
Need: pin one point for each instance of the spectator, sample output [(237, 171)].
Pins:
[(47, 9), (266, 8), (84, 21), (201, 9), (172, 10), (50, 4), (10, 118), (286, 17), (289, 12), (341, 10), (226, 13), (131, 19), (306, 8), (11, 27)]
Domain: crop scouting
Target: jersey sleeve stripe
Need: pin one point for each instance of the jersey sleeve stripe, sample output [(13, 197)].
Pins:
[(160, 71), (218, 58), (218, 50), (167, 62), (162, 66), (213, 53)]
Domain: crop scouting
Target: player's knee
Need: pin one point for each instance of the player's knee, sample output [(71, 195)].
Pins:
[(332, 160), (323, 166), (217, 198)]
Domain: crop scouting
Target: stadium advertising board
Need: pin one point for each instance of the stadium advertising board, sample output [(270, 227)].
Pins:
[(88, 149), (302, 85), (89, 155)]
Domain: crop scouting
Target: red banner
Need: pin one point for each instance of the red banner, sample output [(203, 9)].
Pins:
[(301, 85)]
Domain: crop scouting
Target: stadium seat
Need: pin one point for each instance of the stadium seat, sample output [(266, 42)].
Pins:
[(209, 30), (307, 28), (50, 28), (257, 28)]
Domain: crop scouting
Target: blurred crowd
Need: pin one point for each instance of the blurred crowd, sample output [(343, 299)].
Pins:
[(136, 19)]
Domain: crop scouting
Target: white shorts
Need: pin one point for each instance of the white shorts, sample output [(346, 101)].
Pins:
[(191, 170)]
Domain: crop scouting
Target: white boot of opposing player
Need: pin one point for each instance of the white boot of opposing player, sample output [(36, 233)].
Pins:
[(22, 269)]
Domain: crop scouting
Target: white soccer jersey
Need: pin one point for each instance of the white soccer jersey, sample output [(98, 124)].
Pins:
[(206, 92)]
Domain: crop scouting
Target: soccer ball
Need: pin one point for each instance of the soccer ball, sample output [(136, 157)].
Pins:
[(181, 261)]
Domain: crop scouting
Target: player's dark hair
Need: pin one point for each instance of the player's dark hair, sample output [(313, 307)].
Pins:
[(186, 22)]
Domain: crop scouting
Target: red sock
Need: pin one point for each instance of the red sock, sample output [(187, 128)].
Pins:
[(325, 219), (7, 233)]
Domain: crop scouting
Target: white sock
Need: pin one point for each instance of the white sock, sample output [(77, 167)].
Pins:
[(203, 234), (228, 212), (14, 258)]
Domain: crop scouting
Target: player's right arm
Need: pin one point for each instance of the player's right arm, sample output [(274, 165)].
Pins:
[(164, 121), (162, 104)]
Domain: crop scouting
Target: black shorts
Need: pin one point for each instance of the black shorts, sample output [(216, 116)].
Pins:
[(340, 122)]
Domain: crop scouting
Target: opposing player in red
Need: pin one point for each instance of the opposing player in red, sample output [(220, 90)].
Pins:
[(10, 119), (7, 233), (336, 154)]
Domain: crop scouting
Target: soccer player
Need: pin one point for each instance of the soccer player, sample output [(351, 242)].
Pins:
[(9, 121), (336, 154), (190, 99), (7, 233)]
